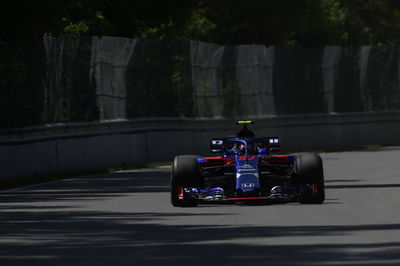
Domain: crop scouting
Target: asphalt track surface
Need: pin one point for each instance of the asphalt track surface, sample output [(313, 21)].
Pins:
[(125, 218)]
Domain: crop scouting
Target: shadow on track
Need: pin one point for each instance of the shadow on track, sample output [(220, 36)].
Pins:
[(108, 238), (61, 235)]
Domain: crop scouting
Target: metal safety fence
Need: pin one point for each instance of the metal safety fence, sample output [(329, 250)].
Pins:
[(79, 79)]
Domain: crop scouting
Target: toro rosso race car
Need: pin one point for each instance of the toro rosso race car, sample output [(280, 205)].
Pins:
[(247, 170)]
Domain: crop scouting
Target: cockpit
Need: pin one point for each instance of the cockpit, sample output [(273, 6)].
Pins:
[(242, 147)]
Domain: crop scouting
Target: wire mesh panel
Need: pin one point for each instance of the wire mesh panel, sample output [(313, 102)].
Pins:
[(159, 79), (381, 83), (67, 94), (298, 80), (206, 61), (254, 75), (347, 91), (109, 62), (329, 68)]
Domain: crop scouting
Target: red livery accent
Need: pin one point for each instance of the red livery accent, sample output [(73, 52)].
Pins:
[(214, 158), (275, 159), (217, 160), (243, 158)]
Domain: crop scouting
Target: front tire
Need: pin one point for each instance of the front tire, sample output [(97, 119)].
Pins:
[(308, 170), (185, 173)]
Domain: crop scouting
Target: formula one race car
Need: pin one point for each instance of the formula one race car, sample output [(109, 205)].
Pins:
[(247, 171)]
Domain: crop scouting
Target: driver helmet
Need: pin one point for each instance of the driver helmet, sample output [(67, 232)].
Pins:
[(239, 148)]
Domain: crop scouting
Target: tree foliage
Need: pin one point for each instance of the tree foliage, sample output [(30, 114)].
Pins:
[(272, 22)]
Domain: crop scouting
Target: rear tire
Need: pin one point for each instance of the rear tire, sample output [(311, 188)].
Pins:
[(185, 173), (308, 170)]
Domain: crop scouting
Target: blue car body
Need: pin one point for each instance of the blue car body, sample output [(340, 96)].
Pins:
[(247, 169), (253, 174)]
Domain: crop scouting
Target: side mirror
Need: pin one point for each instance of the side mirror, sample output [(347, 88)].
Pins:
[(216, 145)]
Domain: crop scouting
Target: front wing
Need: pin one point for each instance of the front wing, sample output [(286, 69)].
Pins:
[(217, 195)]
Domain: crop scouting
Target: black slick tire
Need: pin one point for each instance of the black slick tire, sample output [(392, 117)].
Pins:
[(308, 169), (185, 173)]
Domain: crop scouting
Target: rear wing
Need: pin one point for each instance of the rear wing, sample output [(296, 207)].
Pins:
[(270, 144)]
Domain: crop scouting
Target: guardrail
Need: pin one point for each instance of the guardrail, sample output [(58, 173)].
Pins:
[(59, 148)]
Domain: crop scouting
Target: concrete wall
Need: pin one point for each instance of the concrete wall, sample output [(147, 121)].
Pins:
[(61, 148)]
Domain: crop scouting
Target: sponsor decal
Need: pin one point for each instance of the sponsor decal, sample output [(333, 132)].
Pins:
[(247, 170), (247, 185)]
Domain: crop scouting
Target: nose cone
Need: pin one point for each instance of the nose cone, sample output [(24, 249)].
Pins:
[(247, 181)]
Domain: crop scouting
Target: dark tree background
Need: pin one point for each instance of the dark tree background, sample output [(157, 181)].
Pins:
[(272, 22)]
